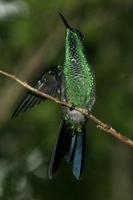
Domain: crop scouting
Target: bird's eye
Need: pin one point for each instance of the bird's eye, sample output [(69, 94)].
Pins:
[(80, 34)]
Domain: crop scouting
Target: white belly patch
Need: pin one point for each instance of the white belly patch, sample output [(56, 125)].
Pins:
[(76, 116)]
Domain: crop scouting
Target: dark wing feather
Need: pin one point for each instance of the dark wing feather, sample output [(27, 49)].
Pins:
[(49, 83)]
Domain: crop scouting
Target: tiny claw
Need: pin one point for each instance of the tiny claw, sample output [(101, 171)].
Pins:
[(72, 107), (108, 126)]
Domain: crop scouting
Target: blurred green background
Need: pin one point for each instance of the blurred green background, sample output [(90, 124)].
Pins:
[(32, 42)]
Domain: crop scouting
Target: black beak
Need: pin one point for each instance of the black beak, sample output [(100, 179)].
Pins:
[(64, 21)]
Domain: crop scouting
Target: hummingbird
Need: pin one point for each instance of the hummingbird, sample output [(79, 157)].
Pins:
[(74, 82)]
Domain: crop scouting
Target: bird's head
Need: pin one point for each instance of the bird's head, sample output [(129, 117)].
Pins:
[(70, 30)]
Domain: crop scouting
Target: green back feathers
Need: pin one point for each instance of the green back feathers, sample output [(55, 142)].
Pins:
[(79, 78)]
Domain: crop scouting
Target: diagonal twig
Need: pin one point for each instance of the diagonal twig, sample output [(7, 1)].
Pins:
[(99, 124)]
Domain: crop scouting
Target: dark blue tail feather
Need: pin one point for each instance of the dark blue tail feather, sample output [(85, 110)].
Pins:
[(61, 147), (76, 154), (70, 145), (79, 155)]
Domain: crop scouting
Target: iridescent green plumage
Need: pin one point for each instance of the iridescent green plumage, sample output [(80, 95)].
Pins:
[(79, 78)]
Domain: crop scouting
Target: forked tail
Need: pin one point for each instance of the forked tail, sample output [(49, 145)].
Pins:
[(70, 145)]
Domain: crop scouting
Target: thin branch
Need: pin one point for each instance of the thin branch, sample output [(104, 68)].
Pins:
[(99, 124)]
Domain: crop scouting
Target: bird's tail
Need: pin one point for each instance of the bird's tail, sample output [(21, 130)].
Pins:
[(70, 145)]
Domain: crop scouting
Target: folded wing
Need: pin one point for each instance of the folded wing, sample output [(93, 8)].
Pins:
[(49, 84)]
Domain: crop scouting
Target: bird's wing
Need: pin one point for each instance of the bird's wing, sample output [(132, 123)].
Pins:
[(49, 83)]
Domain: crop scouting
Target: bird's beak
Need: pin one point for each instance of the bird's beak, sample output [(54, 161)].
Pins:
[(64, 21)]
